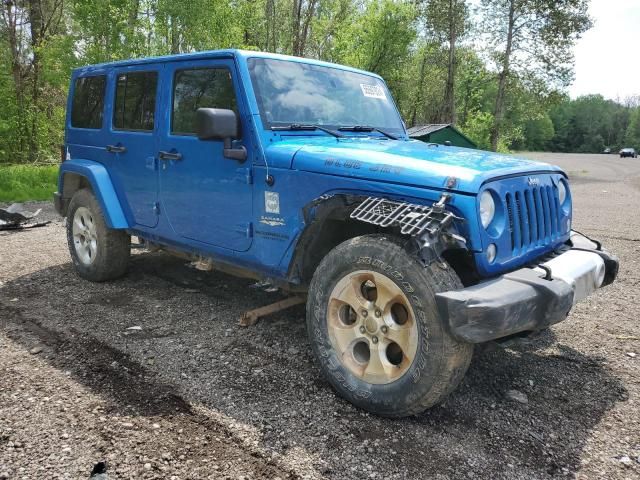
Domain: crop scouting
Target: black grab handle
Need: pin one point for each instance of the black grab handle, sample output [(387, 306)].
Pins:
[(169, 155), (116, 149)]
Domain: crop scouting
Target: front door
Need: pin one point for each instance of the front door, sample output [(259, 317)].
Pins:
[(205, 196), (132, 141)]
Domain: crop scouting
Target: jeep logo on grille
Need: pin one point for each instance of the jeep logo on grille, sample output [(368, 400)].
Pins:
[(533, 181)]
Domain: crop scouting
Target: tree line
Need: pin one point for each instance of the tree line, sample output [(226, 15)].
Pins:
[(495, 68)]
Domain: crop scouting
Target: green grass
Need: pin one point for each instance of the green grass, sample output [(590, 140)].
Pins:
[(20, 183)]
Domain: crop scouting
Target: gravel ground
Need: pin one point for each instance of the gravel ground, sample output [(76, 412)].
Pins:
[(192, 395)]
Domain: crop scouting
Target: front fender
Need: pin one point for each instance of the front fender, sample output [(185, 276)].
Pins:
[(97, 176)]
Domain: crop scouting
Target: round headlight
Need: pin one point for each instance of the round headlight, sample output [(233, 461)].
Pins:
[(562, 192), (487, 208)]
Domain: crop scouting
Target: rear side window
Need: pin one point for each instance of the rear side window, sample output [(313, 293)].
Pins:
[(88, 102), (200, 88), (135, 103)]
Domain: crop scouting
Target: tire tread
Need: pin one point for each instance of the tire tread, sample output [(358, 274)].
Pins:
[(455, 355)]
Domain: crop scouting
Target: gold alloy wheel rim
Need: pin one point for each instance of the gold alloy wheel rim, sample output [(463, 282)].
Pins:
[(372, 327)]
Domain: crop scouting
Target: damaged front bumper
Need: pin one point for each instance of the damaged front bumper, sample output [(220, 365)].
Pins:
[(528, 299)]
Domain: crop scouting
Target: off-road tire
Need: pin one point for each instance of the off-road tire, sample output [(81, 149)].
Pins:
[(113, 246), (440, 362)]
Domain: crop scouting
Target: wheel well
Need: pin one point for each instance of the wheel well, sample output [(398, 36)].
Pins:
[(329, 224), (463, 264), (71, 183), (318, 240)]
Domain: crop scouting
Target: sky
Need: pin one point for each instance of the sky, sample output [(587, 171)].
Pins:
[(608, 56)]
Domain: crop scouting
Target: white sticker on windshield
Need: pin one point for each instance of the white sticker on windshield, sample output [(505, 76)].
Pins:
[(373, 91)]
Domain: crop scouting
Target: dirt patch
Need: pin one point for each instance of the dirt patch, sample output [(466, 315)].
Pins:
[(78, 402), (256, 395)]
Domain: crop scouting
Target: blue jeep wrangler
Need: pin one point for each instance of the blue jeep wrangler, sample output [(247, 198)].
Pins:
[(300, 173)]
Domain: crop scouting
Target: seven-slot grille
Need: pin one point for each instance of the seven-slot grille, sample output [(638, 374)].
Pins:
[(534, 216)]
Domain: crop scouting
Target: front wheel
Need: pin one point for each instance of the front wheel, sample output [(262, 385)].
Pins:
[(375, 330), (98, 252)]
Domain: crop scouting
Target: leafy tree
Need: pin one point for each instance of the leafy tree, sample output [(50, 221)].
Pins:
[(446, 21), (589, 124), (478, 128), (420, 90), (30, 29), (416, 45), (538, 132), (102, 41), (632, 135), (475, 86), (379, 39), (531, 35), (562, 118), (332, 17), (302, 15)]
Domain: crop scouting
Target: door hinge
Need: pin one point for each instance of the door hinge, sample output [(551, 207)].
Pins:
[(151, 163), (249, 176), (156, 208), (245, 229)]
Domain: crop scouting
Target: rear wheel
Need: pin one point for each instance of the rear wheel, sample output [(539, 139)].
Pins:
[(98, 252), (375, 329)]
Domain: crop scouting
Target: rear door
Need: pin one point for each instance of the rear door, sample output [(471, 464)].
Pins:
[(205, 196), (86, 127), (132, 142)]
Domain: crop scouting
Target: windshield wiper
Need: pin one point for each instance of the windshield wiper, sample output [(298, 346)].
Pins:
[(364, 128), (298, 126)]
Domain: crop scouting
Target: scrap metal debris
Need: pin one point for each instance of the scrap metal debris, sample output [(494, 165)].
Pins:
[(15, 218), (99, 471), (203, 264), (252, 316), (264, 285)]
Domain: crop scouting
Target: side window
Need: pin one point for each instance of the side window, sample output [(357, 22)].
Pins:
[(200, 88), (88, 102), (135, 102)]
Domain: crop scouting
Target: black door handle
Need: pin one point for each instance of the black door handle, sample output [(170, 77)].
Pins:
[(116, 149), (169, 155)]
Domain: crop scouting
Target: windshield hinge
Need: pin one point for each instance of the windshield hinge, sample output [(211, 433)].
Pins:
[(244, 175)]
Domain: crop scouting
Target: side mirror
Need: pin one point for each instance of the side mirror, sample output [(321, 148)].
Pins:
[(220, 124), (216, 124)]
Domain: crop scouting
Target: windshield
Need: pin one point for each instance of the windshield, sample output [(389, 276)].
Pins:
[(292, 93)]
